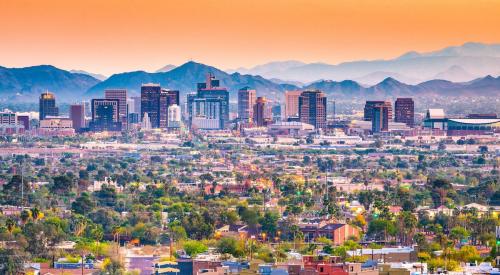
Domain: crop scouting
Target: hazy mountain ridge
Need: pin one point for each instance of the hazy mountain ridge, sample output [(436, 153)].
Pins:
[(477, 59), (184, 79), (25, 84), (96, 76)]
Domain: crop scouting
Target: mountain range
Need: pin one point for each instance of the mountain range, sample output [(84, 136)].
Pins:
[(25, 84), (457, 63)]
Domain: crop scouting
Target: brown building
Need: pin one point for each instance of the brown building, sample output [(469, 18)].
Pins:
[(404, 111), (292, 103), (77, 116), (246, 102), (337, 232), (368, 110), (312, 108), (259, 112)]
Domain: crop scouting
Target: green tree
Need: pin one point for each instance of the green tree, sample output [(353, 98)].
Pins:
[(229, 245), (83, 204), (11, 261), (194, 247)]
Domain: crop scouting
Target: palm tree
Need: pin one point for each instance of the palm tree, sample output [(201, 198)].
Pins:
[(10, 224), (35, 212)]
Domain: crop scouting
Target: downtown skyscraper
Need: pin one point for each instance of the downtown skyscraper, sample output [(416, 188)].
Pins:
[(246, 101), (404, 111), (312, 108), (209, 107), (48, 105), (155, 102)]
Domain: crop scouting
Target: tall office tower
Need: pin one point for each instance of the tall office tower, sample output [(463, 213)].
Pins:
[(209, 108), (404, 111), (105, 115), (48, 105), (77, 116), (150, 103), (260, 116), (136, 105), (246, 102), (380, 118), (172, 96), (121, 95), (292, 103), (312, 108), (368, 111)]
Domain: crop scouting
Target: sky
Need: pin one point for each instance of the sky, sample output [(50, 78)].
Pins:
[(112, 36)]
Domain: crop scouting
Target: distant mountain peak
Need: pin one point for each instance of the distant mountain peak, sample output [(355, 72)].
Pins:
[(96, 76), (166, 68), (409, 55)]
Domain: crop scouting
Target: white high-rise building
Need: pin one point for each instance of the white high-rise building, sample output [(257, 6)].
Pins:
[(146, 122), (174, 116)]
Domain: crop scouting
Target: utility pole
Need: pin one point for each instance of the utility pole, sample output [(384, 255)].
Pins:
[(22, 185)]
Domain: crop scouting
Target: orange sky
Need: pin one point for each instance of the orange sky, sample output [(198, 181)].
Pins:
[(107, 36)]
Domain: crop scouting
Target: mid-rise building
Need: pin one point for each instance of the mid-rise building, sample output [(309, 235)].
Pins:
[(368, 110), (105, 115), (56, 126), (404, 111), (8, 117), (24, 121), (77, 116), (246, 101), (9, 123), (292, 104), (312, 108), (174, 116), (47, 105)]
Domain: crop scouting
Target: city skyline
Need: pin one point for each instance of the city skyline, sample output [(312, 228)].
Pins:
[(112, 36)]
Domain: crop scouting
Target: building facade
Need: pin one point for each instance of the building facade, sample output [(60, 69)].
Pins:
[(380, 118), (121, 95), (404, 111), (246, 102), (209, 108), (47, 105), (368, 110), (77, 116), (292, 103), (150, 103), (260, 114), (312, 108), (105, 115)]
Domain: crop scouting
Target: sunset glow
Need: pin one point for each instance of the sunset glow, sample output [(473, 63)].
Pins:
[(124, 35)]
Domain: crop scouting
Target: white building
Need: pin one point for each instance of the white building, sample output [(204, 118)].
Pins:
[(174, 116)]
